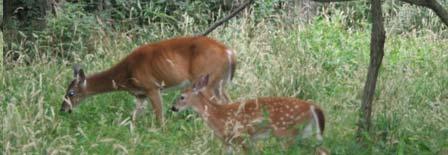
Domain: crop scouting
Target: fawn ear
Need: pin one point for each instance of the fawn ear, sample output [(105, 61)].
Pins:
[(201, 83)]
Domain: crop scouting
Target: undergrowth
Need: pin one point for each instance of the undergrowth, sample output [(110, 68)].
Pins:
[(324, 62)]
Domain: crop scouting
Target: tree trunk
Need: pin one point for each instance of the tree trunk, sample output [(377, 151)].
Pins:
[(377, 40)]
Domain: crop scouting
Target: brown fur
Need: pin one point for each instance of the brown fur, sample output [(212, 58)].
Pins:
[(152, 67), (280, 116)]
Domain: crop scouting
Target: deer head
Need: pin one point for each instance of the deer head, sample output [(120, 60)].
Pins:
[(193, 95), (75, 91)]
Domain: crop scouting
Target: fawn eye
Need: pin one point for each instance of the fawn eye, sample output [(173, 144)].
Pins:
[(71, 93), (182, 97)]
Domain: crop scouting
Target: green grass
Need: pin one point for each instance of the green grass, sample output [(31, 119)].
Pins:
[(324, 62)]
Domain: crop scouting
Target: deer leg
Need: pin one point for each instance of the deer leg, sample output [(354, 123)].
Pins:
[(139, 106), (219, 97), (289, 141), (289, 135), (249, 147), (228, 147), (308, 131), (225, 96), (156, 102)]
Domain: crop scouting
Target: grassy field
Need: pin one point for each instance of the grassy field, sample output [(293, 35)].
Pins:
[(324, 62)]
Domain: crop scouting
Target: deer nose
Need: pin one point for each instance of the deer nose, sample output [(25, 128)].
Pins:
[(65, 109), (173, 108)]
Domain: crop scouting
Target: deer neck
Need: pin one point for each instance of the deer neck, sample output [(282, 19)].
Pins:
[(211, 113), (206, 106), (106, 81)]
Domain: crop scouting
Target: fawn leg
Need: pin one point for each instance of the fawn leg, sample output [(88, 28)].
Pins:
[(139, 106)]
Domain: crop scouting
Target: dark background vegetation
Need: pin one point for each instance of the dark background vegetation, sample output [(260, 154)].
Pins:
[(63, 26)]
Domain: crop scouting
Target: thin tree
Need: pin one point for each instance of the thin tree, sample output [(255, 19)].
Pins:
[(377, 40), (378, 37)]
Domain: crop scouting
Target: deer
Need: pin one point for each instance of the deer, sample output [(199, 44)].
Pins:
[(152, 67), (253, 119)]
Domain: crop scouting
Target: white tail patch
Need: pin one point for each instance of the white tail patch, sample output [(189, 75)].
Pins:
[(229, 68), (316, 122)]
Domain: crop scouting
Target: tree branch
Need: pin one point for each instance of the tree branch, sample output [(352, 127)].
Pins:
[(439, 10), (220, 22), (417, 2), (434, 6)]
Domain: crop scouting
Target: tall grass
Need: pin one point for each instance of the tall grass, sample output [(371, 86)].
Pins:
[(324, 62)]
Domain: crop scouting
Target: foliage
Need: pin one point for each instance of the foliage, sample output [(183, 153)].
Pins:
[(324, 62), (411, 18), (79, 27)]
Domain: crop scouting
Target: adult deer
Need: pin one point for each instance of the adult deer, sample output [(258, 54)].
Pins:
[(152, 67), (257, 118)]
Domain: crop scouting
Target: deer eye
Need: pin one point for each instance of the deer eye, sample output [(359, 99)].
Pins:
[(182, 97), (71, 93)]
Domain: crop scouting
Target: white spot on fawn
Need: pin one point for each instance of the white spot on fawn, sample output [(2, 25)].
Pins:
[(316, 122)]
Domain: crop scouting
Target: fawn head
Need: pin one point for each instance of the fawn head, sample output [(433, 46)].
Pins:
[(192, 95), (75, 91)]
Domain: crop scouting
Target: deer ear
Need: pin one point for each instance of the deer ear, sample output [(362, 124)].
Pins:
[(79, 74), (76, 69), (201, 84), (82, 78)]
